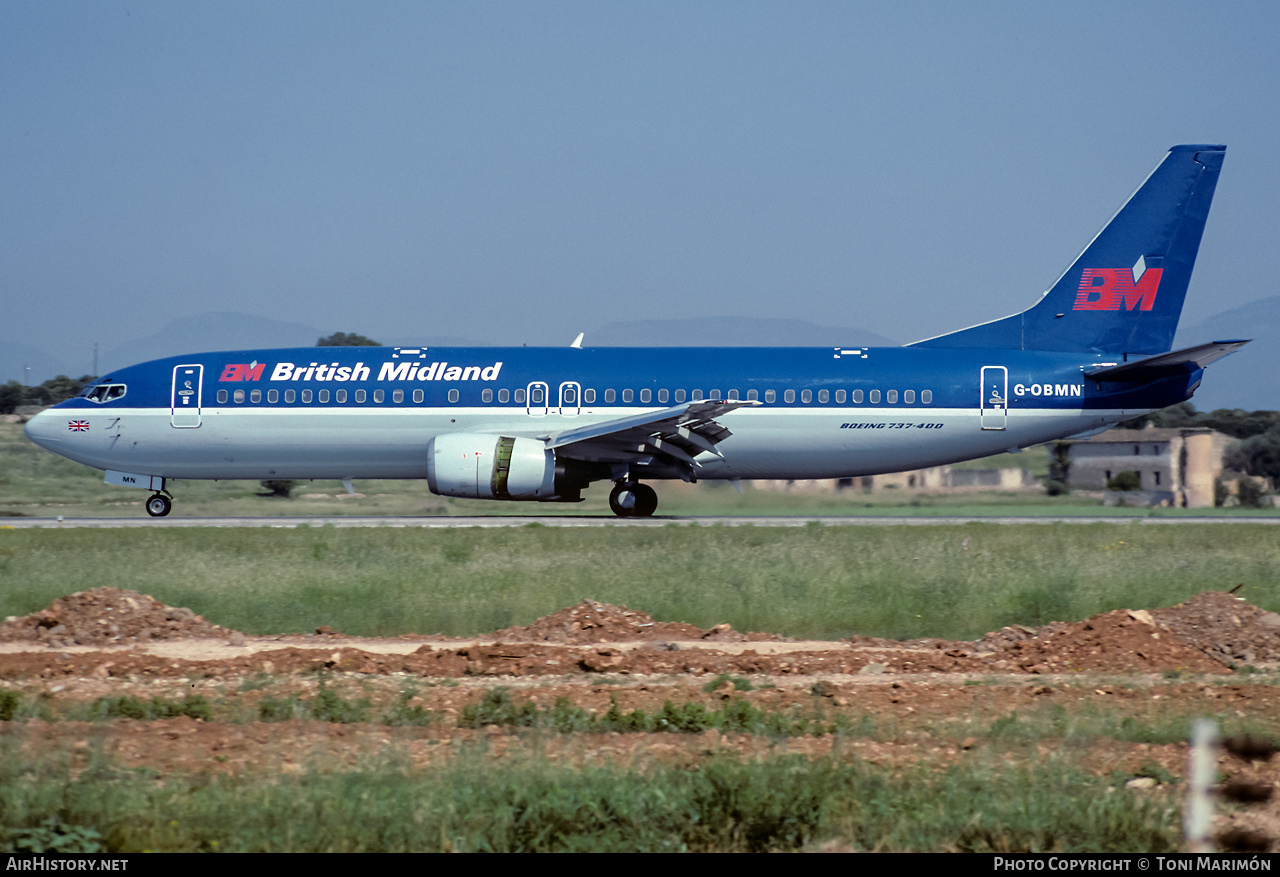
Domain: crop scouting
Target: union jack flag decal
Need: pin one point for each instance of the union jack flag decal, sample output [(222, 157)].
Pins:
[(78, 426)]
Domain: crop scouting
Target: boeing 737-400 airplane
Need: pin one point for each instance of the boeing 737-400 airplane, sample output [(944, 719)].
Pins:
[(542, 423)]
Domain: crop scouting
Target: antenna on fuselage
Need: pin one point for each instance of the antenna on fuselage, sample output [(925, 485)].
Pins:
[(577, 342)]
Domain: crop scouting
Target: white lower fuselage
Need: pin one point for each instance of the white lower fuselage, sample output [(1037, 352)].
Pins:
[(391, 442)]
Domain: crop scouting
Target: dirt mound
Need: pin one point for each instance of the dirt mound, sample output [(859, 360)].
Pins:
[(592, 622), (107, 616), (1224, 627), (1119, 641), (1209, 632)]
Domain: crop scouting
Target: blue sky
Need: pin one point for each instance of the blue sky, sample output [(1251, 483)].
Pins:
[(519, 172)]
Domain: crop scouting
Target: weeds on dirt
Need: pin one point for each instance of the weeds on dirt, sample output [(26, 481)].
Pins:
[(739, 683), (737, 716), (193, 706), (55, 836), (329, 706), (15, 707), (528, 804), (326, 706)]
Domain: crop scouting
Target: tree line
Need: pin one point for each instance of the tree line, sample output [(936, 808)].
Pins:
[(15, 395), (1257, 433)]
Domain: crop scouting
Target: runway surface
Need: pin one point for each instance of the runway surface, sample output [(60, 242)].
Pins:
[(609, 521)]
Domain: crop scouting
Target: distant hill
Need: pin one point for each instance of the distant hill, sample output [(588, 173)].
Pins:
[(213, 331), (15, 358), (729, 332), (1250, 378)]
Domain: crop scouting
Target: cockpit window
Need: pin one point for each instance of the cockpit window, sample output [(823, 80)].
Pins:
[(106, 392)]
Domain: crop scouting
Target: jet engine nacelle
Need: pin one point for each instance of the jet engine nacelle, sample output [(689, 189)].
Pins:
[(490, 467)]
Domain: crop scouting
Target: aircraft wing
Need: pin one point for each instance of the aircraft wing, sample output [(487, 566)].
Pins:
[(681, 433), (1164, 365)]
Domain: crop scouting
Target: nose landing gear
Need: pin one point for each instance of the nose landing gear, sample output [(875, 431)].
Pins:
[(159, 505), (631, 499)]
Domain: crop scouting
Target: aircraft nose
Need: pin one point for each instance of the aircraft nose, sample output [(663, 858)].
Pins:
[(43, 430)]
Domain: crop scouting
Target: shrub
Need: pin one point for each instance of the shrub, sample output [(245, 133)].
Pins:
[(1125, 481)]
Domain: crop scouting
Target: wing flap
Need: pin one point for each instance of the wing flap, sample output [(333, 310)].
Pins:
[(680, 433)]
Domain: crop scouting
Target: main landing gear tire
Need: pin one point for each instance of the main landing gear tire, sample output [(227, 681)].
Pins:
[(159, 505), (633, 500)]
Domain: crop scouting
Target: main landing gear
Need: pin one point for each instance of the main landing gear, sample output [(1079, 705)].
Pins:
[(159, 505), (631, 499)]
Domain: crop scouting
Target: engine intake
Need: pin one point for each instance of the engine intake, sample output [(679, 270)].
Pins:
[(491, 467)]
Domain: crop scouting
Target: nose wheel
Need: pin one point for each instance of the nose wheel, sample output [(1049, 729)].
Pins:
[(159, 505), (631, 499)]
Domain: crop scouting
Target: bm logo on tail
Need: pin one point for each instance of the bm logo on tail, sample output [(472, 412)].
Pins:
[(1104, 289)]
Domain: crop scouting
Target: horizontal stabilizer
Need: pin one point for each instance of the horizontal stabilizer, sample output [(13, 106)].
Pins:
[(1177, 362)]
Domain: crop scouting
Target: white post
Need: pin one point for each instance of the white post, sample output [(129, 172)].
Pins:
[(1203, 769)]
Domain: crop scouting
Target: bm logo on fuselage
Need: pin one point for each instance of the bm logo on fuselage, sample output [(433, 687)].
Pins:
[(242, 371)]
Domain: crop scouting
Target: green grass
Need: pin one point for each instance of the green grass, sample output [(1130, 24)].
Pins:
[(951, 581), (527, 804)]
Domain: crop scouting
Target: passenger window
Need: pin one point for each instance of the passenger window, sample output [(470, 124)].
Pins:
[(626, 395), (857, 397), (222, 397), (926, 396), (453, 395), (733, 395), (588, 396), (290, 395), (535, 396), (238, 396), (823, 396), (789, 396), (504, 395), (341, 395), (570, 396), (485, 396), (909, 396), (306, 395), (770, 395), (806, 396), (663, 396), (324, 396), (519, 397), (397, 396), (875, 397), (255, 396), (753, 395), (697, 396), (417, 396), (679, 395), (646, 395), (715, 396), (840, 397), (891, 397), (610, 395), (273, 396), (360, 395), (378, 396)]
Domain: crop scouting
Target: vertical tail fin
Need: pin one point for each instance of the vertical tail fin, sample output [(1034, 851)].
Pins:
[(1124, 293)]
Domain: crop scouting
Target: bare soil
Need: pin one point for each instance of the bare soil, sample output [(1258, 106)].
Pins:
[(930, 701)]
